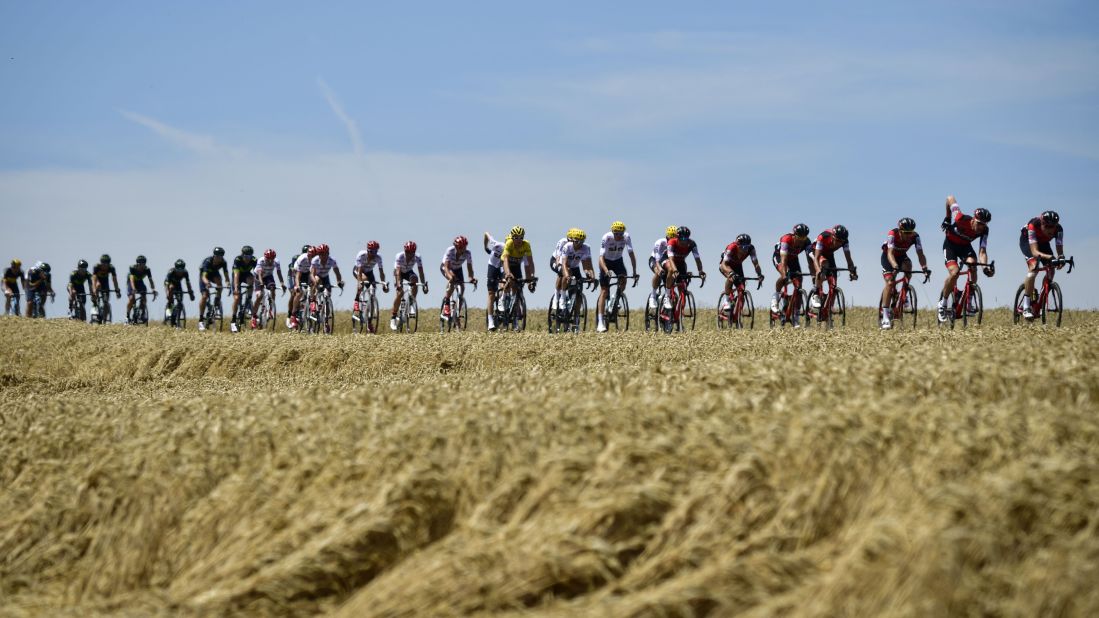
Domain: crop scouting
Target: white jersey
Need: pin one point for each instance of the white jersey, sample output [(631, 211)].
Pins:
[(322, 269), (660, 249), (611, 248), (302, 264), (265, 269), (573, 256), (406, 265), (366, 263), (495, 250), (454, 260), (559, 250)]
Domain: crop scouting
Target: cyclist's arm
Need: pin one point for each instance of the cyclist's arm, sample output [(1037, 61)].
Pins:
[(588, 269), (698, 263), (847, 256), (633, 262), (152, 282), (114, 277), (381, 273), (339, 277), (282, 281), (1061, 243), (485, 240), (530, 266), (922, 258), (469, 267), (313, 279)]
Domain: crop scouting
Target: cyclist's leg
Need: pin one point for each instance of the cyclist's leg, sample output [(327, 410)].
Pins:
[(951, 254), (888, 275)]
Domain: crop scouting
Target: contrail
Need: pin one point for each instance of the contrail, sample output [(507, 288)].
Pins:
[(203, 144), (337, 107)]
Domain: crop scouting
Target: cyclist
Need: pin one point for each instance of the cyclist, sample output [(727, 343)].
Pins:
[(135, 282), (676, 263), (173, 280), (573, 255), (13, 275), (824, 256), (786, 260), (656, 262), (320, 266), (451, 267), (610, 260), (77, 279), (894, 257), (495, 274), (265, 272), (402, 271), (102, 274), (516, 254), (209, 275), (243, 265), (961, 230), (299, 280), (1034, 240), (731, 264), (39, 283), (291, 278), (365, 262)]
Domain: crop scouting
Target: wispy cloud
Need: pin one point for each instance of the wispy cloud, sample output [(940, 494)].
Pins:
[(194, 142), (348, 121)]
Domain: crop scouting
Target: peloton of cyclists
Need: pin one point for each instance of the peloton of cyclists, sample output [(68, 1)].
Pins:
[(494, 275), (961, 230), (365, 262), (14, 281), (451, 268), (611, 247), (135, 282), (656, 263), (676, 263), (210, 276), (731, 264), (1034, 239), (824, 257), (265, 271), (787, 263), (403, 266), (894, 257)]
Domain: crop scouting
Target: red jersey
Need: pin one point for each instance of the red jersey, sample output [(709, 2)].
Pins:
[(963, 229), (1035, 234), (791, 245), (679, 249), (899, 243), (827, 243), (735, 254)]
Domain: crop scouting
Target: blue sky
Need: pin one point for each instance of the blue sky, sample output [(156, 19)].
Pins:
[(166, 129)]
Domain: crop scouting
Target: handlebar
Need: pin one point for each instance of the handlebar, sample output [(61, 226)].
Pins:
[(1071, 261), (759, 278), (688, 276), (925, 272)]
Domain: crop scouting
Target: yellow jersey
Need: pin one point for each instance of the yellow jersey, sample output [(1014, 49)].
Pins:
[(517, 251)]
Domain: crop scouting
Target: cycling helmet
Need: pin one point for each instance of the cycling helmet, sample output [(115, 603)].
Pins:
[(683, 232), (460, 242), (577, 235), (322, 249), (269, 254), (372, 246), (982, 215), (410, 247), (218, 251), (669, 232), (801, 230), (518, 232), (312, 252), (247, 250), (45, 267), (39, 265), (840, 232), (907, 224), (305, 248), (1051, 217), (141, 259), (103, 259), (180, 264), (16, 263), (82, 264), (618, 227), (744, 240)]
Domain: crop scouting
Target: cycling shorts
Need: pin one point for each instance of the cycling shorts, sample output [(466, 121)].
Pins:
[(131, 288), (1024, 246), (516, 267), (269, 282), (368, 277), (12, 286), (618, 267), (495, 276), (456, 275), (954, 253), (214, 281), (409, 275), (887, 271)]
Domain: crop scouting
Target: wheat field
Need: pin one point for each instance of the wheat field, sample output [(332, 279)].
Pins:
[(146, 471)]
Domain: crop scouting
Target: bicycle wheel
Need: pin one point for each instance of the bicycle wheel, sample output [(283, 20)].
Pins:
[(911, 304), (652, 312), (181, 316), (951, 310), (219, 315), (142, 314), (976, 307), (773, 318), (462, 319), (1054, 304), (413, 314), (691, 311), (1017, 306), (445, 323), (725, 312), (622, 314), (329, 316), (582, 313), (519, 313), (801, 306), (372, 315)]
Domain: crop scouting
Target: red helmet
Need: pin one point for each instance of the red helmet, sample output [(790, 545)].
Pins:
[(372, 245), (410, 247), (322, 249), (269, 254), (461, 242), (312, 251)]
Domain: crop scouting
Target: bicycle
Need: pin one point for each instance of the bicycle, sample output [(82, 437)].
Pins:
[(266, 313), (214, 312), (175, 313), (139, 315), (736, 308), (620, 308), (833, 303), (904, 299), (967, 302), (14, 310), (573, 316), (682, 301), (322, 316), (458, 318), (38, 304), (364, 317), (101, 308), (792, 304), (408, 312), (244, 307), (510, 312), (1049, 299), (77, 310)]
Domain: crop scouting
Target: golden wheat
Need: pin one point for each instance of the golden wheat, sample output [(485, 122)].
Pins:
[(147, 471)]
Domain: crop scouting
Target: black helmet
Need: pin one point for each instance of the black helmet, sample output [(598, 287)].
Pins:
[(982, 215), (180, 264), (801, 230), (305, 248), (218, 251), (840, 232), (907, 224), (683, 232), (82, 264), (1051, 217), (141, 259), (45, 267), (744, 240), (104, 259), (246, 250)]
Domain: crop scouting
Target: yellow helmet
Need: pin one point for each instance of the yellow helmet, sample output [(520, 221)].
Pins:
[(577, 234), (16, 263), (669, 232), (618, 227), (518, 232)]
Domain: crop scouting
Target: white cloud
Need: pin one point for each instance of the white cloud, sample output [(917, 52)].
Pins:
[(348, 121)]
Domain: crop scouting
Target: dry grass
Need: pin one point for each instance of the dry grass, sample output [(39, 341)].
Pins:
[(146, 471)]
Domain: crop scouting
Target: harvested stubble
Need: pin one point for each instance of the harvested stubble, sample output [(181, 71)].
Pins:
[(144, 471)]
